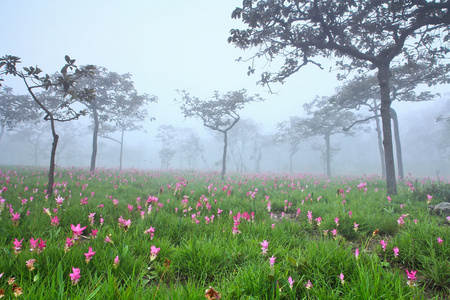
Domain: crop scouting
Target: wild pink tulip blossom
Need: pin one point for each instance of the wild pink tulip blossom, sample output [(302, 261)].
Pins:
[(396, 250), (265, 246), (291, 282), (54, 221), (336, 220), (15, 218), (439, 240), (272, 260), (77, 230), (154, 252), (89, 255), (309, 285), (341, 277), (383, 244), (17, 246), (75, 276), (116, 262), (411, 277), (68, 244)]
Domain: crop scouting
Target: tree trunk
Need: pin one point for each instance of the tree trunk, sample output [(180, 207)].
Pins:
[(94, 138), (290, 161), (328, 154), (380, 140), (398, 144), (121, 150), (224, 157), (51, 171), (383, 81), (2, 132), (258, 160)]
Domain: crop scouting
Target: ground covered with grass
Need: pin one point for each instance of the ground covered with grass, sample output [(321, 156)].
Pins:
[(191, 235)]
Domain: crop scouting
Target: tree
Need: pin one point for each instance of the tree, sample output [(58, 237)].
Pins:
[(15, 109), (362, 91), (61, 86), (166, 135), (325, 121), (241, 136), (219, 113), (361, 34), (33, 138), (191, 147), (117, 106), (288, 132)]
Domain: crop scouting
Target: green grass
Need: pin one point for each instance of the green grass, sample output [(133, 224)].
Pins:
[(196, 254)]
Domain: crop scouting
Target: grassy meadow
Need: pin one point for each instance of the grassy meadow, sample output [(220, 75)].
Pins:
[(190, 235)]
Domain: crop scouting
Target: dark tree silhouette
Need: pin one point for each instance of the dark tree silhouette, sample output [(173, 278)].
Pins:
[(59, 94)]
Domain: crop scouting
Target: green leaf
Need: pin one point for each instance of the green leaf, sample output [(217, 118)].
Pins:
[(385, 264), (60, 281)]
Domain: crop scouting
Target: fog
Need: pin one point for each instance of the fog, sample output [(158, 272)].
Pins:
[(167, 46)]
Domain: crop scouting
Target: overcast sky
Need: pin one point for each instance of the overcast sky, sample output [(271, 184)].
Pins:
[(165, 45)]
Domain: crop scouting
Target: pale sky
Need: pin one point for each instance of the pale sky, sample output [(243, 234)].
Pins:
[(165, 45)]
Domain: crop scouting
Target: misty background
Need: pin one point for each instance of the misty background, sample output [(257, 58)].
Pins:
[(167, 46)]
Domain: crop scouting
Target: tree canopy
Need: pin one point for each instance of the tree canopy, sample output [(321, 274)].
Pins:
[(219, 113), (359, 34)]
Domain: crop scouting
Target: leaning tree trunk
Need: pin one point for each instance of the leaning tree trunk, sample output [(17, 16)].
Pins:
[(94, 138), (51, 171), (383, 81), (224, 157), (121, 150), (2, 131), (328, 154), (398, 145), (380, 140)]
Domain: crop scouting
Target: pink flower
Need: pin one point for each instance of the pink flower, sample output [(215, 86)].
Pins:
[(439, 240), (309, 285), (355, 226), (341, 277), (336, 220), (54, 221), (357, 253), (383, 244), (89, 255), (116, 262), (17, 246), (34, 244), (395, 251), (350, 213), (15, 218), (75, 276), (318, 220), (94, 233), (264, 248), (77, 230), (30, 264), (108, 239), (334, 232), (154, 252), (411, 277), (429, 199), (68, 244), (272, 260), (389, 199), (291, 282)]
